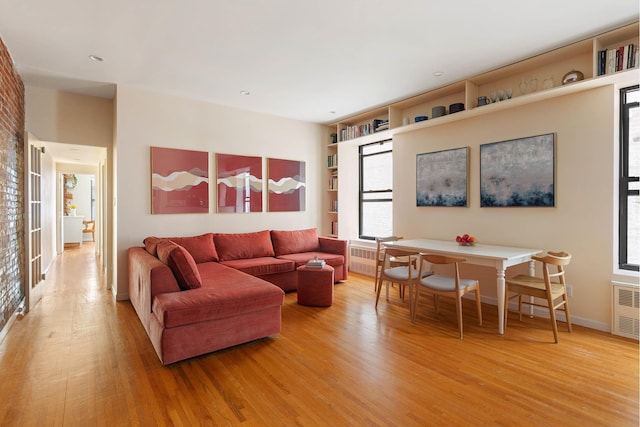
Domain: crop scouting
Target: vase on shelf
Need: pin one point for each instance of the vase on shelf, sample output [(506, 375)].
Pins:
[(72, 212)]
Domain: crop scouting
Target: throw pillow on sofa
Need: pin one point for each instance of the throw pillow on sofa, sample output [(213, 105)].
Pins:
[(294, 242), (181, 264), (232, 246), (200, 247)]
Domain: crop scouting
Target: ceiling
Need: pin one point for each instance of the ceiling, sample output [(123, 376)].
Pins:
[(316, 61)]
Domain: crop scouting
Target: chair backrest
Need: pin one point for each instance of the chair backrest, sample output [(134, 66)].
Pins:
[(559, 259), (411, 258), (89, 226), (379, 249), (442, 260)]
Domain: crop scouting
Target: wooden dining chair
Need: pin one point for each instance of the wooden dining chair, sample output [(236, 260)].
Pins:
[(89, 226), (550, 287), (380, 241), (405, 275), (450, 286)]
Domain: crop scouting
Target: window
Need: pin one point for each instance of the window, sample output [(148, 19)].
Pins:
[(376, 190), (629, 200)]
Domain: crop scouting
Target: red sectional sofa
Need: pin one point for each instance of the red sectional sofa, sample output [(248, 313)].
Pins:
[(199, 294)]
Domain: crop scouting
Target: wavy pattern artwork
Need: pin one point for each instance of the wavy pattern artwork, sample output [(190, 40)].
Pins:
[(287, 186), (239, 183), (179, 181)]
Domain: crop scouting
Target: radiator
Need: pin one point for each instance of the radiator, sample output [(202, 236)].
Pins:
[(626, 310), (362, 260)]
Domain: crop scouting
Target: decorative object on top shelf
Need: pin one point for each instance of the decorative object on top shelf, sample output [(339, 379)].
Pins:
[(442, 178), (572, 76), (456, 107), (523, 87), (547, 83), (533, 84), (466, 240), (334, 138), (518, 172), (438, 110), (420, 118), (483, 100)]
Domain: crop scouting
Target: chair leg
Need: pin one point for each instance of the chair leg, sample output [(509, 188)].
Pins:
[(566, 311), (379, 287), (479, 306), (552, 316), (520, 306), (413, 302), (459, 313)]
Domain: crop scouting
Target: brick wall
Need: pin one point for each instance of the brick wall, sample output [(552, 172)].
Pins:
[(12, 274)]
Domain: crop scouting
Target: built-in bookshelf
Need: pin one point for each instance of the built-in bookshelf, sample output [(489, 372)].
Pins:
[(332, 186), (569, 69), (578, 64)]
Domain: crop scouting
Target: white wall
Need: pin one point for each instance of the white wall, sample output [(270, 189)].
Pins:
[(146, 119), (582, 221)]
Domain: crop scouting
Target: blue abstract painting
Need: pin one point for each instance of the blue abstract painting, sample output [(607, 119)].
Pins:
[(441, 178), (518, 172)]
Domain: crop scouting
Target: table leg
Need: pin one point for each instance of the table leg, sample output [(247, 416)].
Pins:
[(501, 306)]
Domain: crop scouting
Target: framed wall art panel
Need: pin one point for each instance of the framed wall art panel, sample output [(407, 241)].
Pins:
[(179, 181), (518, 172), (442, 178), (287, 185), (239, 183)]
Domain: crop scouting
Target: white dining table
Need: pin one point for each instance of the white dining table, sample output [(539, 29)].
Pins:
[(499, 257)]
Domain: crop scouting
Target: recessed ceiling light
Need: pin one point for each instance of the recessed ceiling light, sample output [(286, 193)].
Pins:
[(438, 73), (332, 112), (96, 58), (245, 92)]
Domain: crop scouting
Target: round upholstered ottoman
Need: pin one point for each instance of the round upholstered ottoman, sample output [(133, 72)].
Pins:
[(315, 286)]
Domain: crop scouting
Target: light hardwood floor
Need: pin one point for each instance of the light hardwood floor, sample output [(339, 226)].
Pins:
[(81, 359)]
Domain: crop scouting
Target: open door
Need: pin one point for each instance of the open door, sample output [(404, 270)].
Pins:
[(33, 223)]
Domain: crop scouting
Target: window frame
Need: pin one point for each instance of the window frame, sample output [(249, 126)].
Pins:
[(362, 193), (624, 179)]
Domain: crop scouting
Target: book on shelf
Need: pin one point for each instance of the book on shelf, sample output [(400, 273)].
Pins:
[(617, 59), (356, 131), (316, 263), (332, 160), (334, 228)]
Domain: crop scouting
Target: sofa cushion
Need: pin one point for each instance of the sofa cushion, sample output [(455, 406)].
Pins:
[(151, 245), (200, 247), (163, 249), (243, 245), (334, 260), (293, 242), (225, 293), (180, 262), (261, 266)]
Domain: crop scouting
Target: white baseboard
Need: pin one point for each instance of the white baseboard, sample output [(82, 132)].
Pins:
[(575, 320), (16, 314)]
